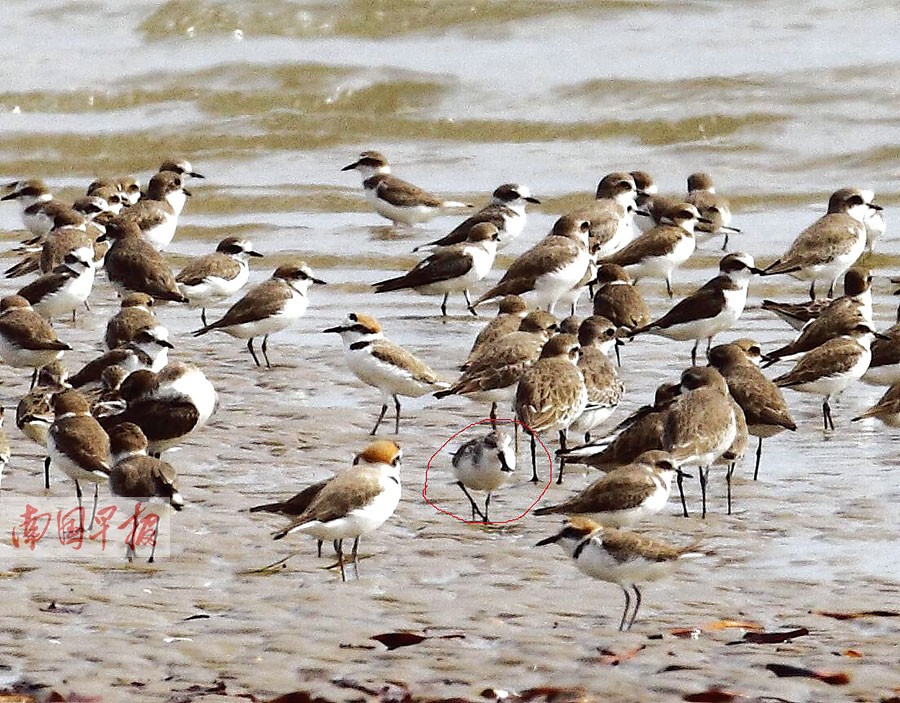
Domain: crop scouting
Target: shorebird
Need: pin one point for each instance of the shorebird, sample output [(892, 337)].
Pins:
[(451, 269), (38, 206), (701, 424), (763, 404), (611, 215), (66, 288), (149, 350), (395, 199), (212, 278), (267, 308), (625, 495), (26, 339), (484, 464), (712, 207), (135, 316), (640, 432), (647, 190), (180, 166), (167, 406), (829, 246), (857, 291), (551, 394), (379, 362), (549, 270), (617, 299), (506, 212), (491, 375), (616, 556), (884, 369), (711, 309), (135, 475), (660, 250), (156, 213), (78, 445), (830, 368), (33, 412), (596, 337), (354, 503), (132, 264), (510, 313)]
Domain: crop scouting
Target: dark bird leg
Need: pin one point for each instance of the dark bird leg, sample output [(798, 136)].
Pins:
[(155, 540), (252, 351), (397, 418), (319, 549), (475, 510), (669, 286), (562, 461), (625, 612), (758, 459), (94, 509), (831, 288), (264, 348), (728, 476), (203, 316), (380, 418), (355, 555), (694, 353), (812, 290), (704, 477), (619, 355), (444, 305), (33, 379), (47, 472), (339, 548), (534, 475), (637, 606), (80, 506), (725, 243), (493, 416), (469, 303), (487, 506), (680, 481), (826, 411)]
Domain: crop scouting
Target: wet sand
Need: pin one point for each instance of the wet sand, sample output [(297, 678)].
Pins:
[(815, 533)]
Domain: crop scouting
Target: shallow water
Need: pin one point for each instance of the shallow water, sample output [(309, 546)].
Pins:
[(268, 100)]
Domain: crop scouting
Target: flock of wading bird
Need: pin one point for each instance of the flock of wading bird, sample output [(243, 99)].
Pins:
[(110, 421)]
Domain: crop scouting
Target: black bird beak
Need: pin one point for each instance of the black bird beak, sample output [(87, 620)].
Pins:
[(757, 271), (186, 192), (350, 167), (254, 253), (547, 540), (642, 213), (165, 343), (194, 174), (729, 228), (338, 329), (878, 335), (871, 205), (318, 281), (533, 200)]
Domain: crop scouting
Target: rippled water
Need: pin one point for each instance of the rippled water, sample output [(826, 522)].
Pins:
[(782, 104)]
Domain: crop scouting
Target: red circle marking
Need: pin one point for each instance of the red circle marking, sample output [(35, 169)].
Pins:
[(464, 429)]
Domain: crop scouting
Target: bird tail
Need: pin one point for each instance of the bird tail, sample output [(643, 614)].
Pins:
[(390, 284)]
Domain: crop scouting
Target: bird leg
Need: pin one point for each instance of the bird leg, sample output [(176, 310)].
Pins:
[(203, 316), (826, 412), (758, 459), (47, 472), (339, 548), (812, 290), (252, 351), (627, 606), (469, 303), (694, 353), (534, 476), (444, 305), (637, 606), (704, 477), (475, 509), (265, 355), (380, 418), (397, 418), (669, 286), (680, 481), (487, 505), (80, 507), (94, 510), (355, 555), (562, 462), (728, 476), (319, 548), (155, 540)]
